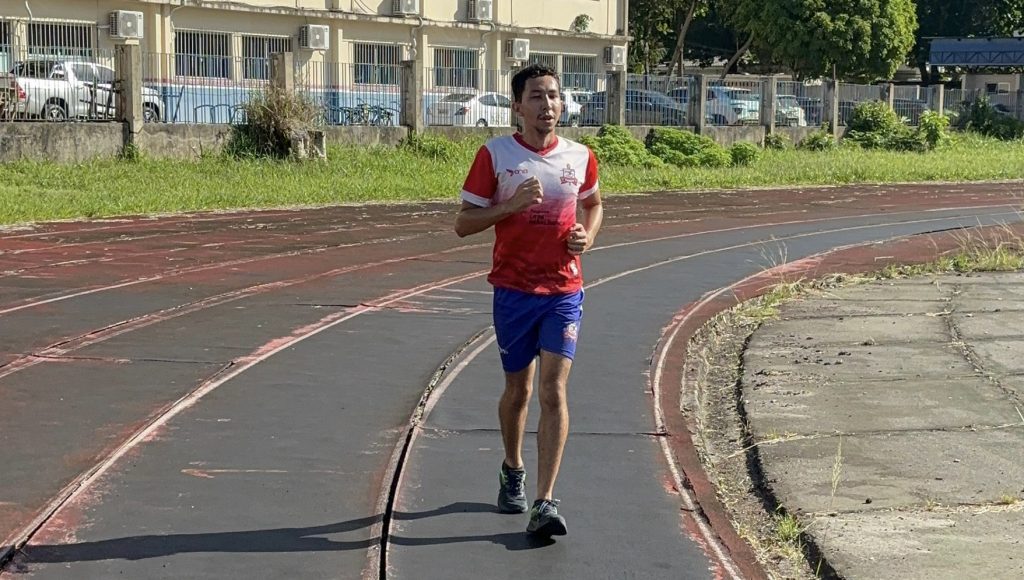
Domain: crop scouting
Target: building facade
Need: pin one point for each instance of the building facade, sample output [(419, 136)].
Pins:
[(461, 43)]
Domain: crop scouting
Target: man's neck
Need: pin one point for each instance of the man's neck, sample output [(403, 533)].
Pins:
[(537, 140)]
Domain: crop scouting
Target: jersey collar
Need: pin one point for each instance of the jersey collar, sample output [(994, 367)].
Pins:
[(542, 152)]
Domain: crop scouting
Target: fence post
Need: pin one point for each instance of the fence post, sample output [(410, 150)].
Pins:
[(939, 98), (699, 103), (282, 71), (769, 102), (830, 106), (615, 98), (889, 95), (128, 64), (411, 115)]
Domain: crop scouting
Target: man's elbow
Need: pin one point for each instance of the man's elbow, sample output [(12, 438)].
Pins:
[(461, 230)]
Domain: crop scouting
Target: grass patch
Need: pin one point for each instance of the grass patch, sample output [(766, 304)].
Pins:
[(35, 191)]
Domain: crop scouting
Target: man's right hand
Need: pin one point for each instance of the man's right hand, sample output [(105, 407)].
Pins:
[(527, 194)]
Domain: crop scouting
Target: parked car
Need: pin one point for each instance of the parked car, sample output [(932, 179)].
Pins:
[(471, 109), (814, 110), (788, 112), (733, 106), (572, 106), (59, 90), (642, 108)]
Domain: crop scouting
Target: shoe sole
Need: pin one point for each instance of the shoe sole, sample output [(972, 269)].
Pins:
[(512, 510), (552, 528)]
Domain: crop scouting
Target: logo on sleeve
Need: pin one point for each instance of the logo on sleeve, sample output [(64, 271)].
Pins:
[(569, 175)]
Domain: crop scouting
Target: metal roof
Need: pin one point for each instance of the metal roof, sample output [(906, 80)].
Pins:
[(978, 52)]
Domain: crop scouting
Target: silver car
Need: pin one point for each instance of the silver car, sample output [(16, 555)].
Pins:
[(471, 110)]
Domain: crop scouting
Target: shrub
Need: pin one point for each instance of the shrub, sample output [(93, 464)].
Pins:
[(615, 145), (818, 141), (744, 153), (435, 147), (934, 128), (776, 141), (981, 117), (715, 157), (875, 126), (274, 117), (686, 149)]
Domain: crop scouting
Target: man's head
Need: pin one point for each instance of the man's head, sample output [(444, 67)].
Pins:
[(536, 93)]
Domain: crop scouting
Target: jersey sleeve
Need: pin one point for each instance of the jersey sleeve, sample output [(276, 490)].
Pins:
[(482, 182), (590, 180)]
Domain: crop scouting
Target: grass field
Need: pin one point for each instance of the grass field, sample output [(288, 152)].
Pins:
[(32, 191)]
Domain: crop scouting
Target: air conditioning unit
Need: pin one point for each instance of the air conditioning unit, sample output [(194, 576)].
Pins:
[(480, 10), (125, 24), (405, 7), (517, 49), (314, 37), (615, 56)]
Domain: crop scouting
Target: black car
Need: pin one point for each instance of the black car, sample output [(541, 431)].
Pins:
[(642, 108)]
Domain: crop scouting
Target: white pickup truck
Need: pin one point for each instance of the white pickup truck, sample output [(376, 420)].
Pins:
[(59, 90)]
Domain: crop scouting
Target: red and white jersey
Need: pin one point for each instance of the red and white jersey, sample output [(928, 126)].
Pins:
[(530, 249)]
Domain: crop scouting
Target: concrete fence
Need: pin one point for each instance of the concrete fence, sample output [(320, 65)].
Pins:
[(730, 110)]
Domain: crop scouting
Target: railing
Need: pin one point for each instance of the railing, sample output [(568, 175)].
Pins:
[(852, 95), (191, 89), (353, 94), (468, 97), (800, 104), (57, 86)]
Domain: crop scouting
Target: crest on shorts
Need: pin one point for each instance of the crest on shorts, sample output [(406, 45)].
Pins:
[(571, 331), (569, 175)]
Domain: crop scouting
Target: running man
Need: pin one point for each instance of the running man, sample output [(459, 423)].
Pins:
[(528, 186)]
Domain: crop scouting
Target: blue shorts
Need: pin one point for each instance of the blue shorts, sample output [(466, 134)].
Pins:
[(526, 324)]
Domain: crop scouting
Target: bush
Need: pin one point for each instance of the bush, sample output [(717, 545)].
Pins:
[(274, 117), (686, 149), (716, 157), (615, 145), (435, 147), (744, 153), (875, 126), (818, 141), (776, 141), (934, 128), (981, 117)]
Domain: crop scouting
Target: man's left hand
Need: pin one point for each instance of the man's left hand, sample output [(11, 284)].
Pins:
[(578, 240)]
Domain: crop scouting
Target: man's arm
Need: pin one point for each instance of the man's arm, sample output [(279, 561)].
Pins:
[(584, 234), (473, 219)]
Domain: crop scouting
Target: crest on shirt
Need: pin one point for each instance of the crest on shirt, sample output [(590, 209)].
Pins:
[(569, 175)]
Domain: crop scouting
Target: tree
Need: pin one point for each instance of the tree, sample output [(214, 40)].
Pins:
[(963, 18), (695, 8), (651, 28), (859, 39)]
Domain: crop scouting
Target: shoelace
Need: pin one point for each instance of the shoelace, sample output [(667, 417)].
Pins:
[(516, 481), (548, 505)]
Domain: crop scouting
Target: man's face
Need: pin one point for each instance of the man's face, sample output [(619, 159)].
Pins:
[(541, 105)]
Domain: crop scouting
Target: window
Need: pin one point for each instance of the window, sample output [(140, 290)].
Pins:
[(454, 67), (548, 60), (83, 72), (5, 45), (202, 54), (105, 75), (378, 64), (59, 39), (256, 51), (579, 72)]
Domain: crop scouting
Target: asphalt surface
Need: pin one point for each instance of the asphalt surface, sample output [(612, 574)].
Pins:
[(313, 393)]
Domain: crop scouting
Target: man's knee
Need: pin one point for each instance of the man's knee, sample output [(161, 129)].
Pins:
[(552, 396)]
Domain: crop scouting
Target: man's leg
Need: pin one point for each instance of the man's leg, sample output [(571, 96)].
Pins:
[(512, 413), (554, 420)]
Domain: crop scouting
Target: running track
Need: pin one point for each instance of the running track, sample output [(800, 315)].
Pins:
[(312, 394)]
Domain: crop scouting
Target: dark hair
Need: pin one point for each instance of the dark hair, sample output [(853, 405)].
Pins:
[(531, 72)]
